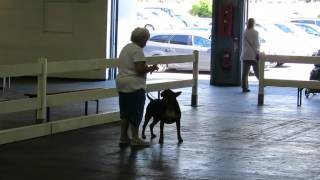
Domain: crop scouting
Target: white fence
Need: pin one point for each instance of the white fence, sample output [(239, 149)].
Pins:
[(42, 101), (263, 82)]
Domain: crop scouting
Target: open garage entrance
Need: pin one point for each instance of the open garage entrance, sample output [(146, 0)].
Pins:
[(287, 27)]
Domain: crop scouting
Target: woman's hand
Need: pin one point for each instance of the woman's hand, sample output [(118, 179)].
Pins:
[(153, 68), (142, 69)]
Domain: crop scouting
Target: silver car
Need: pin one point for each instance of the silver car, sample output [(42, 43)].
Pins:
[(179, 43)]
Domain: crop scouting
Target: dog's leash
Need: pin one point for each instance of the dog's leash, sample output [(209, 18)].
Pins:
[(150, 95)]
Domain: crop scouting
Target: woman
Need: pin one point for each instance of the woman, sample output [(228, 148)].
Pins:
[(251, 46), (131, 85)]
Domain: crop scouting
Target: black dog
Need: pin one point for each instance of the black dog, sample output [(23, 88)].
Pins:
[(165, 110)]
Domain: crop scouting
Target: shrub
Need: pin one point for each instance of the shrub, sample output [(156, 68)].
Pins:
[(202, 8)]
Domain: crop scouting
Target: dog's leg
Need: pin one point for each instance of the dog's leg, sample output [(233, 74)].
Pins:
[(161, 132), (154, 122), (178, 131), (146, 121)]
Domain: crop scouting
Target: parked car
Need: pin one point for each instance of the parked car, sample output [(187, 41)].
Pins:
[(194, 21), (315, 21), (285, 39), (309, 28), (165, 17), (150, 21), (155, 20), (275, 42), (305, 43), (179, 43), (170, 13)]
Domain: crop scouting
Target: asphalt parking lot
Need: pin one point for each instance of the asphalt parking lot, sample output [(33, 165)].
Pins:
[(290, 71)]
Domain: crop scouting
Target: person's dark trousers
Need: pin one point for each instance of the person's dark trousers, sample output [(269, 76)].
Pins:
[(246, 64)]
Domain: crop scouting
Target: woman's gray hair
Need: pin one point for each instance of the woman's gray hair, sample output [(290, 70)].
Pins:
[(140, 34), (251, 23)]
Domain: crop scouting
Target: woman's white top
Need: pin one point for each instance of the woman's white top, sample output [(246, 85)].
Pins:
[(251, 44), (128, 79)]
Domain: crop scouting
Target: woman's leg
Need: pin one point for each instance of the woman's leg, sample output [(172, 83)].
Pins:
[(137, 115), (255, 65), (124, 138), (245, 73), (135, 132)]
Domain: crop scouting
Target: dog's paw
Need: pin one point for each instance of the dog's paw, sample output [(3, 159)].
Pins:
[(181, 140), (160, 141)]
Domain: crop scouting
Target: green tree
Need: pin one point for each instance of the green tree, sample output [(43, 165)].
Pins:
[(202, 8)]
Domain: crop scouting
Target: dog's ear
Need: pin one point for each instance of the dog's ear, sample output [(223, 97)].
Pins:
[(164, 93), (177, 93)]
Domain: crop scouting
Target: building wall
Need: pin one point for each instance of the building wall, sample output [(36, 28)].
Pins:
[(56, 29)]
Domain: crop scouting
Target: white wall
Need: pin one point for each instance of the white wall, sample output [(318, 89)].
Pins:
[(56, 29)]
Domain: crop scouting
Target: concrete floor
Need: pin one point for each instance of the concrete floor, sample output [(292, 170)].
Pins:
[(226, 137)]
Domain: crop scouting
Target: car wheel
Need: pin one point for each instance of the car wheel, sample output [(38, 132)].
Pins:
[(149, 27)]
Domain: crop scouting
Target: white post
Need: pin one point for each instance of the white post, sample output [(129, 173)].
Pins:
[(194, 96), (261, 80), (41, 91)]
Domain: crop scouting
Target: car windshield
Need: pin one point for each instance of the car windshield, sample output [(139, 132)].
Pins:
[(290, 28), (202, 42), (160, 38), (284, 28), (303, 21), (308, 29), (181, 39)]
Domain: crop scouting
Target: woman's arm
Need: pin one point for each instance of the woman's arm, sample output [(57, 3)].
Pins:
[(257, 43)]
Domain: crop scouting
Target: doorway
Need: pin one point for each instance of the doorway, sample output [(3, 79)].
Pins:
[(176, 27), (285, 28)]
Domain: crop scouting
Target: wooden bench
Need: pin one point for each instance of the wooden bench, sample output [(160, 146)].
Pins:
[(33, 95)]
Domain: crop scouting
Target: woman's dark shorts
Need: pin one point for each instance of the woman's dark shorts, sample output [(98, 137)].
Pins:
[(132, 106)]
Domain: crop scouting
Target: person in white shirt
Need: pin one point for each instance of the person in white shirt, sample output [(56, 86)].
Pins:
[(250, 56), (131, 85)]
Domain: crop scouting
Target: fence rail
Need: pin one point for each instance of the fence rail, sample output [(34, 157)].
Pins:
[(263, 82), (44, 100)]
